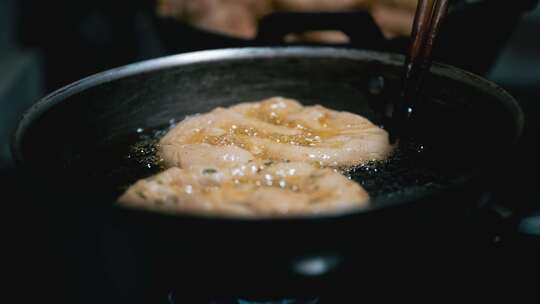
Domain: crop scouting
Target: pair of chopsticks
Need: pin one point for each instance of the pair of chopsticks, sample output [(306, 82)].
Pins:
[(427, 21)]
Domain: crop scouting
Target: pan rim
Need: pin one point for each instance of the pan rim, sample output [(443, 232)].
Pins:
[(61, 95)]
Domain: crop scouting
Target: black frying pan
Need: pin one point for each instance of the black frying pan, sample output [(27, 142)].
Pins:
[(467, 129)]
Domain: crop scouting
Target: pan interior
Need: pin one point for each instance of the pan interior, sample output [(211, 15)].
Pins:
[(101, 137)]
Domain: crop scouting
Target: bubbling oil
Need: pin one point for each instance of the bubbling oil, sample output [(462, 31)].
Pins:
[(123, 162)]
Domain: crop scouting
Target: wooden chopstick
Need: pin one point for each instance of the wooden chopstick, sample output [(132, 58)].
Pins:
[(427, 21), (438, 14), (421, 26)]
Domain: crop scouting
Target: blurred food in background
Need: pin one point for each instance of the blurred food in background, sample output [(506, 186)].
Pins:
[(240, 18), (79, 38)]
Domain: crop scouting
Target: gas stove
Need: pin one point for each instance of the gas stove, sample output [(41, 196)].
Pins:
[(314, 300)]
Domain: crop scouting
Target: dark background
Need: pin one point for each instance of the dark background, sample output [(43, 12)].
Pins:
[(47, 44)]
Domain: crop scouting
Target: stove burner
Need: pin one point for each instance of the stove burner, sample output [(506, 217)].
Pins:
[(174, 299), (285, 301)]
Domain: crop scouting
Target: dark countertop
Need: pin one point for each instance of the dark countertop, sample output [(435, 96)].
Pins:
[(518, 71)]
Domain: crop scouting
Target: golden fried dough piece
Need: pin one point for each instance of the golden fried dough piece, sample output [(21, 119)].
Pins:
[(250, 190), (278, 129)]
